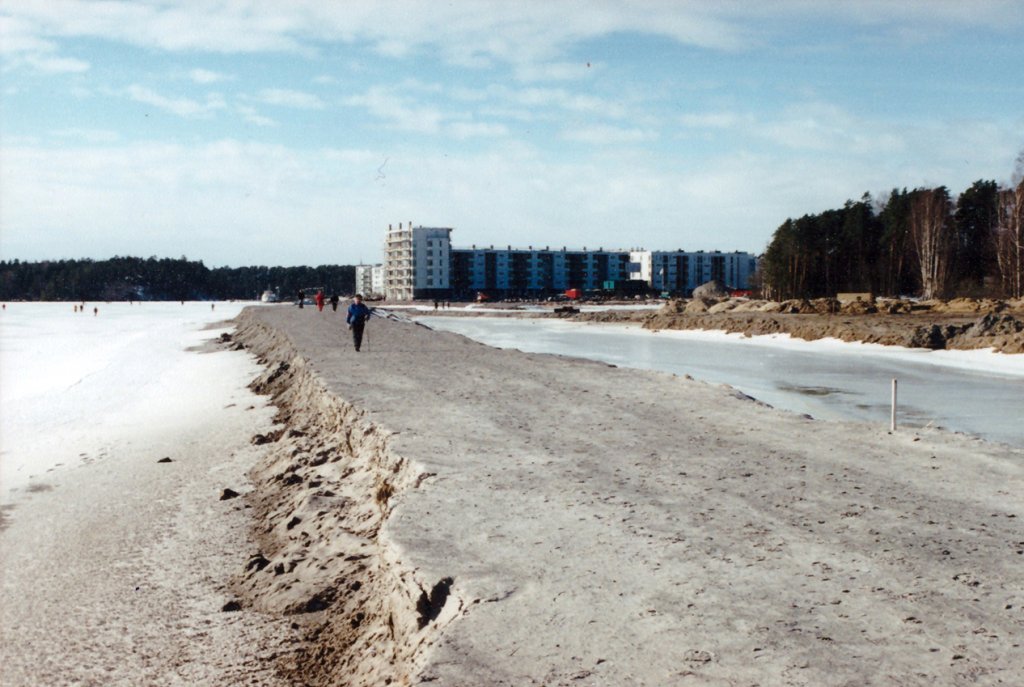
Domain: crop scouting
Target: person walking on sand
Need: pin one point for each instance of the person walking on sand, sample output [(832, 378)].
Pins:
[(334, 302), (319, 298), (302, 297), (358, 314)]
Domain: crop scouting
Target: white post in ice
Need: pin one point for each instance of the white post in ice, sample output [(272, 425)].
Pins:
[(892, 416)]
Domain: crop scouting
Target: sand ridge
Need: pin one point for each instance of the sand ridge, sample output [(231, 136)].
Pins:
[(962, 324), (557, 521), (321, 496)]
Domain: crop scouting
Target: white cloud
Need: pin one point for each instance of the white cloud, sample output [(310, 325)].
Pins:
[(232, 202), (392, 48), (21, 45), (89, 136), (56, 65), (398, 110), (205, 76), (289, 98), (223, 28), (464, 130), (809, 126), (532, 35), (228, 202), (183, 107), (825, 127), (805, 158), (250, 115), (713, 120), (608, 135), (555, 71), (914, 15), (21, 36), (565, 100)]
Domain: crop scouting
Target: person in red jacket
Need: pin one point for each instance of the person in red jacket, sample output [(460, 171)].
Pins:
[(319, 300)]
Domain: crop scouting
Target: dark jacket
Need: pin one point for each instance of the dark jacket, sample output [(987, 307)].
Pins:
[(358, 313)]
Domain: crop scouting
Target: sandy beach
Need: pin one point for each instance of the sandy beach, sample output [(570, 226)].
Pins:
[(432, 510)]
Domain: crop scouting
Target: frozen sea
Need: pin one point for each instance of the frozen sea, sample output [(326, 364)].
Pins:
[(72, 383), (976, 392)]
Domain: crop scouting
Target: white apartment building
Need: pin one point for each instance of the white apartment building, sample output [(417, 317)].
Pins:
[(377, 281), (420, 263), (417, 262), (370, 280)]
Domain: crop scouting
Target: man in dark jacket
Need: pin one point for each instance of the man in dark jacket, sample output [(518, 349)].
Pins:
[(358, 314)]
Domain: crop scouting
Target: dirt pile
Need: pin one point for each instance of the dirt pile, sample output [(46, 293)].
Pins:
[(711, 289), (932, 324)]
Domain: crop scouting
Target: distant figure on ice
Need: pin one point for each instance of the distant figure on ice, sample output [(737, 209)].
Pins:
[(334, 302), (358, 314), (302, 297), (95, 312), (319, 298), (436, 303)]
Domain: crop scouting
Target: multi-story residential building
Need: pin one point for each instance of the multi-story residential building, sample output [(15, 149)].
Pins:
[(421, 264), (417, 263), (531, 272), (377, 281), (682, 271), (370, 280)]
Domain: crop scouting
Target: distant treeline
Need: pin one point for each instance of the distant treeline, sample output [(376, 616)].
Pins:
[(920, 242), (123, 278)]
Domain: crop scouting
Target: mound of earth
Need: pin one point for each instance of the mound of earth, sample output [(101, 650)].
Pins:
[(958, 324), (711, 289)]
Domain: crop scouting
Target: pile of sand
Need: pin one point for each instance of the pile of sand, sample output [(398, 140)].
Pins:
[(320, 498), (958, 324)]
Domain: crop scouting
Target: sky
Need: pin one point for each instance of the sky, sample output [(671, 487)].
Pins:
[(250, 132)]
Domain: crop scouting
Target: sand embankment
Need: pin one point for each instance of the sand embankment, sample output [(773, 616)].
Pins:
[(961, 324), (432, 509)]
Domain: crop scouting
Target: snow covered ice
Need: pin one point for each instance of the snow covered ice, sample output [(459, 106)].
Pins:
[(73, 383)]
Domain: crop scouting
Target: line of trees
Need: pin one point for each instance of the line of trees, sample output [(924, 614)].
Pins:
[(921, 242), (124, 278)]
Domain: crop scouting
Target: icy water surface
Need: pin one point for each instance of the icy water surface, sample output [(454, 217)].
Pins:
[(976, 392)]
